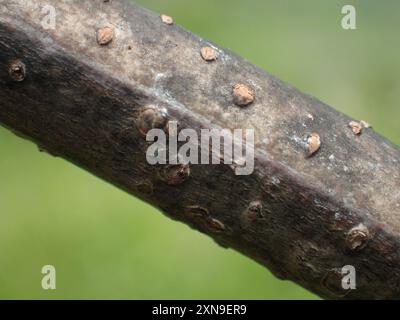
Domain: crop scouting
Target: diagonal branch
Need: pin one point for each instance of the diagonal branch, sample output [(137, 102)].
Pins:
[(321, 196)]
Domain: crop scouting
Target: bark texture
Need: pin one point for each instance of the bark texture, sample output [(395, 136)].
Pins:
[(80, 95)]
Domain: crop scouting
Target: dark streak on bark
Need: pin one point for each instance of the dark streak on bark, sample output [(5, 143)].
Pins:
[(81, 101)]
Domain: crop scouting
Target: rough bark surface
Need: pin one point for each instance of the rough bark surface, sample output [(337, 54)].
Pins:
[(302, 217)]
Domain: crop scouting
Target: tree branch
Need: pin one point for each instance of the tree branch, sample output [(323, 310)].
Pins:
[(90, 88)]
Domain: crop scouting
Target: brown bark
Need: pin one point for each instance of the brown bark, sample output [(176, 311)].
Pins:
[(79, 92)]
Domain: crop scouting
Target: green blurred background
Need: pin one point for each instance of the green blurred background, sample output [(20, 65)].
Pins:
[(107, 244)]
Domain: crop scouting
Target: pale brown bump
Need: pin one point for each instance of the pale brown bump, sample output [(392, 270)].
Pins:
[(215, 225), (17, 70), (175, 174), (197, 211), (313, 143), (201, 218), (255, 208), (243, 95), (254, 211), (356, 127), (151, 117), (167, 19), (310, 116), (357, 238), (208, 54), (105, 35)]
